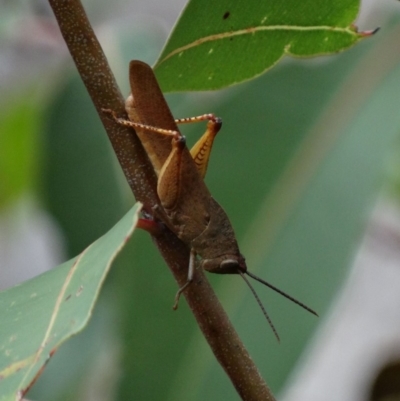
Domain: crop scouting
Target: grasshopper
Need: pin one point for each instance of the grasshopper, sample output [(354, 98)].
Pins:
[(188, 208)]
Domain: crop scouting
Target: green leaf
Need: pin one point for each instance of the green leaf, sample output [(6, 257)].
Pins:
[(39, 315), (223, 43)]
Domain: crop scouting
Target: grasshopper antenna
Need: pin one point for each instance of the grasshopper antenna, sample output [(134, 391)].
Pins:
[(260, 304), (280, 292)]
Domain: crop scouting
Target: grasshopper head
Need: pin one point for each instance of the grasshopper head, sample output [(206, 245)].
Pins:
[(227, 264)]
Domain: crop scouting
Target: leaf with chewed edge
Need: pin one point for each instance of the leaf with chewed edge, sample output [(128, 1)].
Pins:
[(40, 314), (218, 44)]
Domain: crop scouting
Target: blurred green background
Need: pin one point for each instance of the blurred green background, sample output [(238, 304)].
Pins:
[(297, 166)]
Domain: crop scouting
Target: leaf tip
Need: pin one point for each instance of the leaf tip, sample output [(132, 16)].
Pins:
[(370, 32)]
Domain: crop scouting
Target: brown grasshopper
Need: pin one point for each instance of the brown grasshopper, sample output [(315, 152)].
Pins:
[(188, 207)]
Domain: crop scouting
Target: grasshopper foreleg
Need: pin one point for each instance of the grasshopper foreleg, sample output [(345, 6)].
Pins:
[(192, 261)]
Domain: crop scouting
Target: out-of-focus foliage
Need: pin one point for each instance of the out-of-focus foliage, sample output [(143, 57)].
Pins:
[(19, 158)]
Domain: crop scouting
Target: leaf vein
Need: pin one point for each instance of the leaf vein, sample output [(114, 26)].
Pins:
[(54, 314), (251, 31)]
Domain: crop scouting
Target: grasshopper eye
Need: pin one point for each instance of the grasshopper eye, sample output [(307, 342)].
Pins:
[(229, 266)]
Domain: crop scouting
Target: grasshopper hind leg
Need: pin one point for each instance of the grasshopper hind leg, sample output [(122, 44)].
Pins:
[(202, 149), (192, 260)]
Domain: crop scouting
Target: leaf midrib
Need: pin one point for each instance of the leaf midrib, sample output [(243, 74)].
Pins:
[(253, 30)]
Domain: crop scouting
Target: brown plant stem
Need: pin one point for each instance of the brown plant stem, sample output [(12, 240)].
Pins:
[(100, 83)]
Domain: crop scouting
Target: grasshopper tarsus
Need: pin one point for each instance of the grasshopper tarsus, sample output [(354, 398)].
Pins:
[(112, 112), (117, 119), (178, 295)]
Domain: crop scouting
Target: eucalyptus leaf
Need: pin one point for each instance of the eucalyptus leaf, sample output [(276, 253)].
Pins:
[(40, 314), (222, 43)]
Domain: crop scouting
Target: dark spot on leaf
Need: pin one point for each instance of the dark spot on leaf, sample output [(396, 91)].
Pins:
[(226, 15), (79, 292), (68, 297)]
